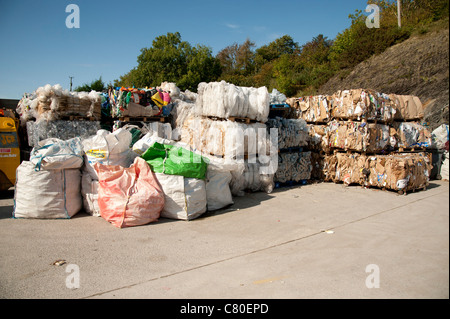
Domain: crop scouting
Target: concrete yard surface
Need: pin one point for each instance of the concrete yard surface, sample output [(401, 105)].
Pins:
[(322, 240)]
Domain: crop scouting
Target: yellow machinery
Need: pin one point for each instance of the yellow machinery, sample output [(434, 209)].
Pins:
[(9, 150)]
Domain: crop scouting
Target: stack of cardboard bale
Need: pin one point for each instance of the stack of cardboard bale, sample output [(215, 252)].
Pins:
[(367, 138)]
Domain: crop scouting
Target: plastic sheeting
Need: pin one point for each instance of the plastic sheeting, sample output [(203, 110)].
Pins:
[(57, 154), (107, 148)]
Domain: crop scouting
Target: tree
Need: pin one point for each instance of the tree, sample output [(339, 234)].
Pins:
[(173, 60), (275, 49), (237, 59), (96, 85)]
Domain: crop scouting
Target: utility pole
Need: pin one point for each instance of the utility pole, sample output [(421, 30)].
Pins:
[(71, 77), (399, 13)]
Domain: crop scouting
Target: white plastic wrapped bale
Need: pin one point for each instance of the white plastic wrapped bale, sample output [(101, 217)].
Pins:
[(218, 179), (107, 148), (51, 194), (445, 167), (440, 137), (291, 132), (185, 198), (224, 100), (253, 179), (225, 138)]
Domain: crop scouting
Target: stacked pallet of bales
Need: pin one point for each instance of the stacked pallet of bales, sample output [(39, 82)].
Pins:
[(226, 123), (360, 136), (52, 112)]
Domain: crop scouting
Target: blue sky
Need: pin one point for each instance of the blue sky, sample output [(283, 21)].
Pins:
[(37, 47)]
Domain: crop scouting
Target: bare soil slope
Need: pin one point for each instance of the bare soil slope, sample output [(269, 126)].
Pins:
[(418, 66)]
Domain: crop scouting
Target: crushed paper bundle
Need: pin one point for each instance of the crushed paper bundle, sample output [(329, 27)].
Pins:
[(318, 138), (291, 132), (225, 100), (408, 107), (312, 109), (398, 172), (361, 136), (293, 167), (362, 104)]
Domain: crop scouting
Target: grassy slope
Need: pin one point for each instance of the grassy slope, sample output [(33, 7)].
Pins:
[(418, 66)]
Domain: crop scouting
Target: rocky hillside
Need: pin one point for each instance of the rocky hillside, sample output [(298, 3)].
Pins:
[(418, 66)]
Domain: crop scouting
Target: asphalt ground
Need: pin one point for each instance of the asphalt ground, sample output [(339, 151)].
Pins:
[(319, 241)]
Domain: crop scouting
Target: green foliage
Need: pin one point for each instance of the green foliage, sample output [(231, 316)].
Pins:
[(96, 85), (170, 59)]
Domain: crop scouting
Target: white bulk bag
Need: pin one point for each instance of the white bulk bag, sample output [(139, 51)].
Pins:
[(185, 198), (89, 191), (54, 153), (107, 148), (46, 193)]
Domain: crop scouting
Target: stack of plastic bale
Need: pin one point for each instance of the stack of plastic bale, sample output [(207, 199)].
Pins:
[(51, 112), (294, 163), (228, 122), (224, 100), (48, 186), (53, 103)]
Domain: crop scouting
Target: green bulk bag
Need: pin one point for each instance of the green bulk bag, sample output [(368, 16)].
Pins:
[(173, 160)]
